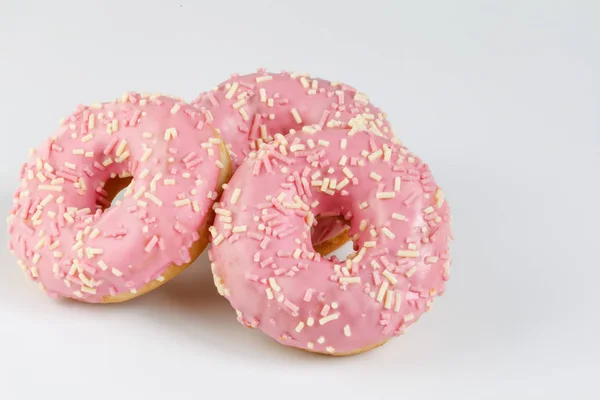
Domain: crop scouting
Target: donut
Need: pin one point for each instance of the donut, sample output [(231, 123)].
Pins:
[(66, 234), (250, 109), (264, 263)]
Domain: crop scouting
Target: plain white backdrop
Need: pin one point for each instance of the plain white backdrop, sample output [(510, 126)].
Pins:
[(501, 98)]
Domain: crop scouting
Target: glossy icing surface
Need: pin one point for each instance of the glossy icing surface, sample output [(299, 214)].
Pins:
[(62, 228), (263, 259)]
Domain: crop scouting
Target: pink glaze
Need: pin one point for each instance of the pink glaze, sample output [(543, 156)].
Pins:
[(248, 110), (58, 228), (400, 224)]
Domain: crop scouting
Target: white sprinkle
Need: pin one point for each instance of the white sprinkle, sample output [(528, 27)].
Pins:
[(310, 321), (263, 78), (41, 176), (274, 284), (389, 297), (78, 152), (304, 82), (323, 143), (397, 302), (343, 143), (121, 148), (409, 317), (92, 121), (116, 272), (428, 210), (296, 116), (330, 349), (388, 233), (375, 155), (51, 188), (390, 277), (107, 162), (269, 293), (87, 138), (153, 199), (235, 196), (329, 318), (144, 173), (170, 133), (411, 271), (382, 290), (407, 253), (102, 265), (397, 184), (175, 108), (231, 90), (239, 103), (87, 289), (347, 172), (431, 259), (385, 195), (398, 217), (321, 340), (140, 192), (182, 202), (350, 279), (347, 331), (375, 176), (263, 95), (361, 98), (300, 326), (363, 205), (217, 241), (239, 229), (439, 198), (47, 200), (244, 114), (222, 211), (342, 184)]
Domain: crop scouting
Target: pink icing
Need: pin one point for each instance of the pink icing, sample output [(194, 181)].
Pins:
[(61, 232), (400, 224), (248, 110)]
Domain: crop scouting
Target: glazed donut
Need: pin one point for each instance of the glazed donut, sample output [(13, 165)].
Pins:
[(62, 227), (264, 263), (249, 110)]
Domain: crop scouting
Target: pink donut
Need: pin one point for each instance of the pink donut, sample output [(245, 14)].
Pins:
[(62, 230), (264, 263), (250, 109)]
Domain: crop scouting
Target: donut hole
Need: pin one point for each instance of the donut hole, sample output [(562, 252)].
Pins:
[(115, 189), (330, 234)]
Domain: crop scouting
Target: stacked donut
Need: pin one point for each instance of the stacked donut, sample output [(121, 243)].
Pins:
[(275, 170)]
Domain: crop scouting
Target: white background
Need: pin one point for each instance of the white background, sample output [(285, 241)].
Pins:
[(501, 98)]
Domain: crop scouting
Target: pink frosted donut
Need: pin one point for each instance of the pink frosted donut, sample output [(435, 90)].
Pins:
[(61, 228), (264, 263), (250, 109)]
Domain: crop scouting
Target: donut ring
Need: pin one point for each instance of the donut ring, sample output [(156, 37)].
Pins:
[(63, 230), (264, 263), (249, 110)]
